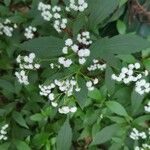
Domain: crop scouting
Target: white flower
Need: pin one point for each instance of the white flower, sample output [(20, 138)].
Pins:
[(95, 81), (73, 109), (89, 84), (147, 107), (22, 77), (79, 5), (3, 132), (65, 62), (97, 66), (65, 50), (82, 60), (64, 110), (68, 42), (54, 104), (75, 48), (51, 96), (84, 37), (27, 62), (29, 32), (142, 87)]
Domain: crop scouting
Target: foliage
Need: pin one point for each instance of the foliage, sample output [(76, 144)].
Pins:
[(74, 76)]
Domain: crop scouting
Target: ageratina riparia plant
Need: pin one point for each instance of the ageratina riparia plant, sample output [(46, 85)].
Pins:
[(74, 75)]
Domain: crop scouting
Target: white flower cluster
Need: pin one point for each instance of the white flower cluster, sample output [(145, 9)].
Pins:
[(66, 110), (52, 65), (66, 86), (46, 90), (26, 63), (96, 66), (48, 12), (127, 74), (3, 132), (65, 62), (142, 87), (83, 53), (69, 45), (136, 135), (147, 107), (130, 74), (84, 38), (7, 28), (22, 77), (90, 84), (45, 11), (77, 5), (29, 32), (60, 24)]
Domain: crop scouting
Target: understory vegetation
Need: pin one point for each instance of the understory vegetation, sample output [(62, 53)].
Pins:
[(74, 75)]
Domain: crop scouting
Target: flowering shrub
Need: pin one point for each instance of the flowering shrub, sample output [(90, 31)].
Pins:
[(74, 75)]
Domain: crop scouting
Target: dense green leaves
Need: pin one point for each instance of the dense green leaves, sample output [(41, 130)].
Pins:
[(44, 47), (64, 137)]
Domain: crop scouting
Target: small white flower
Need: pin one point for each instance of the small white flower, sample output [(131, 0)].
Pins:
[(73, 109), (68, 42), (51, 96)]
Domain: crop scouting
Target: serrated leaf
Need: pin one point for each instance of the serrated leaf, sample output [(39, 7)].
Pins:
[(100, 10), (120, 44), (117, 108), (64, 137), (44, 47), (105, 134), (19, 119)]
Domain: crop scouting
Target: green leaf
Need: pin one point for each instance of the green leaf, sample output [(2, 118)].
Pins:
[(79, 23), (122, 2), (105, 134), (81, 96), (136, 101), (100, 10), (95, 94), (19, 119), (110, 84), (21, 145), (120, 44), (117, 108), (64, 137), (121, 27), (7, 2), (142, 120), (6, 85), (44, 47), (4, 146), (37, 117), (40, 139)]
